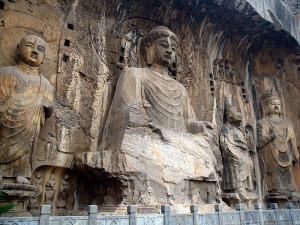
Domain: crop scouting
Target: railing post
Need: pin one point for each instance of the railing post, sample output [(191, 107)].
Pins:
[(290, 207), (93, 211), (194, 210), (258, 207), (45, 214), (165, 209), (131, 210), (240, 208), (275, 207), (218, 208)]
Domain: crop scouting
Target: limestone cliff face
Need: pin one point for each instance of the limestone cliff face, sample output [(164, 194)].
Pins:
[(228, 50)]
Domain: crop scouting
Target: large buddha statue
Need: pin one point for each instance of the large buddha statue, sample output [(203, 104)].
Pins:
[(26, 99), (165, 99), (153, 128), (276, 138)]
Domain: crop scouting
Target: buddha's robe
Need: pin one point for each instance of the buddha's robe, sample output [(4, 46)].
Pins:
[(25, 101), (170, 105)]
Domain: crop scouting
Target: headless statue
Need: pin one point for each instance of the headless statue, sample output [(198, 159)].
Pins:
[(276, 139), (26, 99)]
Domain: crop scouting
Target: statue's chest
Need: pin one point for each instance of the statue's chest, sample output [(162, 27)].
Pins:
[(279, 127), (27, 88), (165, 97)]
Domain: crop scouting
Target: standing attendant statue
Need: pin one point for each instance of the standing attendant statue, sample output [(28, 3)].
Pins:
[(238, 165), (26, 99), (276, 138)]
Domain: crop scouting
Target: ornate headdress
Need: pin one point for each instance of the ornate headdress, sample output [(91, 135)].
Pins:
[(270, 94)]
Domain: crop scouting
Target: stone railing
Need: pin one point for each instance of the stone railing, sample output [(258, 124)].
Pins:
[(275, 216)]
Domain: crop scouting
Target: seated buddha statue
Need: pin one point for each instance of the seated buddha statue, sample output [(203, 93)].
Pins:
[(152, 125)]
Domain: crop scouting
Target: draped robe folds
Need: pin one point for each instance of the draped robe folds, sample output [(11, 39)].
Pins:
[(25, 101), (239, 165), (170, 105), (277, 154)]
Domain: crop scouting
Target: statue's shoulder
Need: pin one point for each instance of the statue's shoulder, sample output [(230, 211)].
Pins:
[(134, 73), (287, 121), (45, 81), (7, 70), (263, 122), (47, 87)]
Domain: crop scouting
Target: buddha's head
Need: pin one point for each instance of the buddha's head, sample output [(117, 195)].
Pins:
[(159, 46), (31, 50), (271, 102)]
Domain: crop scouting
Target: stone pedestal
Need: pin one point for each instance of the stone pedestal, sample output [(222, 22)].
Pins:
[(233, 198), (17, 194), (151, 171), (282, 200)]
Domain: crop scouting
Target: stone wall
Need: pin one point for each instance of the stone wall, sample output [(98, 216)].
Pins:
[(229, 51)]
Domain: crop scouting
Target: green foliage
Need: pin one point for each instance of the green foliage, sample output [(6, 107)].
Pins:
[(6, 207)]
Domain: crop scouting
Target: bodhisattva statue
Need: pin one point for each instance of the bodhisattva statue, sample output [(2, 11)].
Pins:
[(164, 98), (276, 138), (238, 165), (26, 99)]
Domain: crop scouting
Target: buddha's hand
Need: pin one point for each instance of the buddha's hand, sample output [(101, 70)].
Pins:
[(139, 115), (146, 104)]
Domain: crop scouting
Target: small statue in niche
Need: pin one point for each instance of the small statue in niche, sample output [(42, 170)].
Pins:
[(238, 165), (63, 192), (26, 99), (276, 139), (152, 89), (37, 182), (50, 188)]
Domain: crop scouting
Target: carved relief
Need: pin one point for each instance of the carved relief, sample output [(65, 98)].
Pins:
[(276, 139), (26, 100)]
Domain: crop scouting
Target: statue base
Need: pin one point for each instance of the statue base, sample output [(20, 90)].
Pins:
[(281, 199), (248, 198), (147, 176), (17, 194)]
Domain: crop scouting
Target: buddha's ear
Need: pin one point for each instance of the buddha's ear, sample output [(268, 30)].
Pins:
[(149, 54), (43, 58), (18, 48)]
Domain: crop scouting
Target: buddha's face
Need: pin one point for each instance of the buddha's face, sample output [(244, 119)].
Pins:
[(273, 106), (164, 51), (32, 50)]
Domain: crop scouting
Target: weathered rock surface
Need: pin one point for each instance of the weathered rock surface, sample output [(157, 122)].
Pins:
[(227, 50)]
